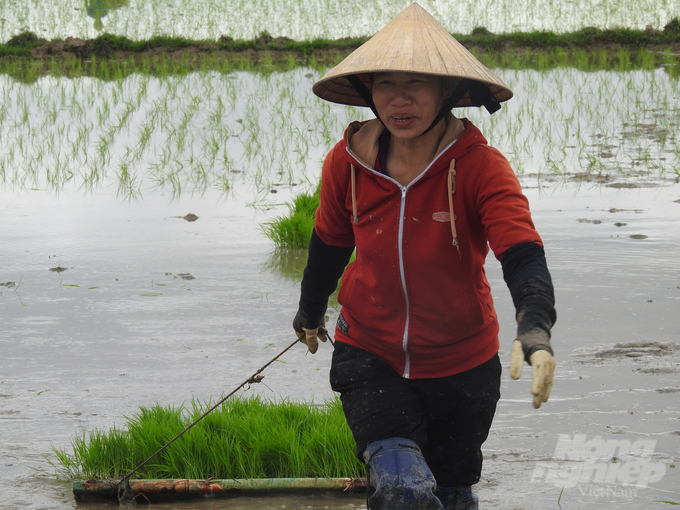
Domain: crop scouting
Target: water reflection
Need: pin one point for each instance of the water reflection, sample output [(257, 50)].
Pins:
[(287, 263), (97, 9)]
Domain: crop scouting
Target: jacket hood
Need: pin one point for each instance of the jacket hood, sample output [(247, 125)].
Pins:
[(361, 139)]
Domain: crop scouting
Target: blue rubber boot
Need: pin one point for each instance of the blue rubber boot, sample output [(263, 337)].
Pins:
[(400, 475), (457, 498)]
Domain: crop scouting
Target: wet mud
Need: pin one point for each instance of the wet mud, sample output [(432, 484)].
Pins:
[(152, 309), (189, 217), (630, 350)]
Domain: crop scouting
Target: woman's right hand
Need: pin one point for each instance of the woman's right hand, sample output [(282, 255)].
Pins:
[(310, 336)]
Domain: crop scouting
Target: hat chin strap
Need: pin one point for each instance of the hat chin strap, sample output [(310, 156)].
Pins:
[(480, 95), (365, 94)]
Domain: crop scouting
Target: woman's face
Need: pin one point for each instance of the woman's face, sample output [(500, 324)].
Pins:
[(408, 102)]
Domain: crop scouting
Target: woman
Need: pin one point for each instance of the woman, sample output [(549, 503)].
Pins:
[(421, 196)]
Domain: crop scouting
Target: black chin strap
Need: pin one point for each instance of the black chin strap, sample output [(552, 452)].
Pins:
[(365, 94), (462, 89), (480, 95)]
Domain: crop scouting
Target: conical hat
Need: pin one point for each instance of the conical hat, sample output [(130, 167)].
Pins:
[(412, 42)]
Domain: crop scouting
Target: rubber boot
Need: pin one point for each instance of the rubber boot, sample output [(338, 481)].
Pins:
[(400, 475), (457, 498)]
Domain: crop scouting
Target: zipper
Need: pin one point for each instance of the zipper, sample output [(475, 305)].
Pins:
[(404, 338), (400, 252)]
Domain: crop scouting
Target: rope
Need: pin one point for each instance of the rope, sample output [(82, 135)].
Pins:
[(125, 494)]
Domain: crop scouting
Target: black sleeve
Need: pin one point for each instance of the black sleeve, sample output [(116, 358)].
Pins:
[(325, 265), (525, 271)]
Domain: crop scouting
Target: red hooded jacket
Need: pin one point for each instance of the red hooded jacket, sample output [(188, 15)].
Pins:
[(413, 297)]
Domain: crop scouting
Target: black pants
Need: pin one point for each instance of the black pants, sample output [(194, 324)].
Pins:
[(448, 417)]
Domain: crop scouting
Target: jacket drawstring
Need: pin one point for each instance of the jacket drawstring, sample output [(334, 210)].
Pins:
[(354, 195), (452, 191)]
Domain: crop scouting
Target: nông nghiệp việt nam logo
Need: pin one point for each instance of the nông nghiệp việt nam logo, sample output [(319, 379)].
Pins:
[(613, 462)]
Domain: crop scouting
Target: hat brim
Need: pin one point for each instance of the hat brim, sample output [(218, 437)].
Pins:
[(337, 89)]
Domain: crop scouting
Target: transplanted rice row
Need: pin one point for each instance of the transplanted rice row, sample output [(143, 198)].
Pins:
[(244, 438), (209, 130), (193, 123), (329, 19)]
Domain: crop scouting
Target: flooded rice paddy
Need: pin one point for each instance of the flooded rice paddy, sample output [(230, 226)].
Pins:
[(245, 19), (249, 133), (133, 270)]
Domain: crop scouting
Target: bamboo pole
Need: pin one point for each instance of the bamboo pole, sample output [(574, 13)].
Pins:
[(85, 490)]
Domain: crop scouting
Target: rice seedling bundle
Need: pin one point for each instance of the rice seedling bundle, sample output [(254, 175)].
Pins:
[(294, 230), (244, 438)]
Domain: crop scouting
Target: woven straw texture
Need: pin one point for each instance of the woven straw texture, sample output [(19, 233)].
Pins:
[(412, 42)]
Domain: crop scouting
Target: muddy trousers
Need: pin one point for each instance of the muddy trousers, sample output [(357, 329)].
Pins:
[(446, 418)]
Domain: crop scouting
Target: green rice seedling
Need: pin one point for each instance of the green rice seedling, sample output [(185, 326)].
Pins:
[(243, 438), (199, 177), (129, 185), (224, 185), (295, 229)]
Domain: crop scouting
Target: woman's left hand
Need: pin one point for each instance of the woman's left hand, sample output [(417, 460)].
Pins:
[(543, 365)]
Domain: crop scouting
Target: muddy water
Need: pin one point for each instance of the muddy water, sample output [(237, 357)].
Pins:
[(107, 305)]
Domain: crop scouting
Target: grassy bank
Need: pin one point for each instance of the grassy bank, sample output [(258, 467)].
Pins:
[(27, 43), (183, 62), (26, 56), (244, 438)]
